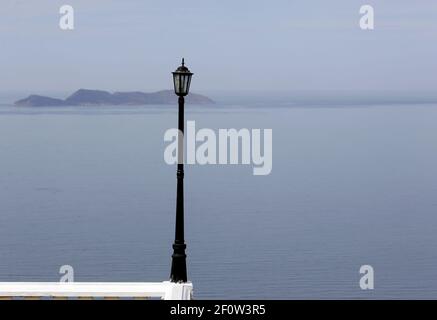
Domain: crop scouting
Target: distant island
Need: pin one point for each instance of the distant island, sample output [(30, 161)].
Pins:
[(85, 97)]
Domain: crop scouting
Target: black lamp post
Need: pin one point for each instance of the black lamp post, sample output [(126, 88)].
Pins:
[(181, 80)]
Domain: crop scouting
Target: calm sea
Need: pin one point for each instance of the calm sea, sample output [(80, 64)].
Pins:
[(350, 185)]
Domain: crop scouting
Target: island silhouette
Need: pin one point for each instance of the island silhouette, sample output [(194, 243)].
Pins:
[(86, 97)]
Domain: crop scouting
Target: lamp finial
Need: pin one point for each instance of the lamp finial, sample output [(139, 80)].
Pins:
[(183, 62)]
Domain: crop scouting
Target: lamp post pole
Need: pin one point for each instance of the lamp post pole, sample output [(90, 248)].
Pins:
[(182, 79), (179, 265)]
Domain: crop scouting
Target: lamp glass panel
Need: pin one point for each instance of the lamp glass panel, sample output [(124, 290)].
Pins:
[(176, 80), (184, 83), (188, 83), (181, 84)]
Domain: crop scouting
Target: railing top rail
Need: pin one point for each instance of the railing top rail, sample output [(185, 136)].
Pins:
[(165, 290)]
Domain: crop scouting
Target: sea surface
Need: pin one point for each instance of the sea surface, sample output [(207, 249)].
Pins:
[(351, 185)]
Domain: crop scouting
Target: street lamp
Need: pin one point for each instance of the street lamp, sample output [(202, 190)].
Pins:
[(181, 81)]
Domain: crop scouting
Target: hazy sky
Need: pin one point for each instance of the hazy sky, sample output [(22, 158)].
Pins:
[(229, 45)]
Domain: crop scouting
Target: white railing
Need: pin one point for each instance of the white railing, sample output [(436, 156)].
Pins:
[(165, 290)]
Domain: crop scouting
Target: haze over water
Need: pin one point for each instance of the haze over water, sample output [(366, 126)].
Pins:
[(88, 186)]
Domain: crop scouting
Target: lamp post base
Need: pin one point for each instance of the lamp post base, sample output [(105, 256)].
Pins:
[(179, 265)]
